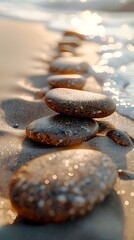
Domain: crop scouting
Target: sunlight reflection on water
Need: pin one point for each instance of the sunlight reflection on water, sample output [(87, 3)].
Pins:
[(114, 31)]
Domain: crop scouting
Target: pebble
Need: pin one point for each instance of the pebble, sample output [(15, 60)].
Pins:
[(42, 92), (60, 130), (16, 125), (65, 54), (79, 103), (67, 49), (104, 127), (72, 41), (125, 174), (70, 65), (73, 81), (120, 137), (62, 185), (75, 34)]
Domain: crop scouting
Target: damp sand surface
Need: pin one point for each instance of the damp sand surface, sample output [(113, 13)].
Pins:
[(25, 53)]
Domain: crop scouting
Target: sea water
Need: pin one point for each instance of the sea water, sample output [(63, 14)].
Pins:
[(109, 23)]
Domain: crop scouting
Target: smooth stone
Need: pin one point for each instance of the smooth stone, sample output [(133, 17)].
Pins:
[(70, 65), (65, 54), (72, 41), (60, 130), (16, 125), (120, 137), (42, 92), (67, 49), (79, 103), (72, 81), (62, 185), (104, 127), (75, 34), (125, 175)]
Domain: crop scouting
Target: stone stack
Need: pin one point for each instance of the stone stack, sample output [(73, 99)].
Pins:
[(74, 123), (66, 184)]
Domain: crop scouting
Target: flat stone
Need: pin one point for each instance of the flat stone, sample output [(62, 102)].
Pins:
[(67, 49), (75, 34), (70, 65), (72, 41), (120, 137), (125, 174), (62, 185), (61, 130), (79, 103), (66, 54), (73, 81)]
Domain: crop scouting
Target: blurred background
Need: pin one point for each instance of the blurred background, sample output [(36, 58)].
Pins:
[(38, 10)]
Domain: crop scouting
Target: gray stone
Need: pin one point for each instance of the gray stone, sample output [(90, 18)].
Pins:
[(69, 65), (61, 130), (73, 81), (79, 103)]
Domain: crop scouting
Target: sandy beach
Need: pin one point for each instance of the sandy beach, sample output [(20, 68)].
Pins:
[(26, 49)]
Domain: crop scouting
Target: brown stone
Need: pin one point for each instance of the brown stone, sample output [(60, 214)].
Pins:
[(120, 137), (67, 49), (70, 65), (125, 174), (61, 130), (79, 103), (62, 185), (75, 34), (73, 81)]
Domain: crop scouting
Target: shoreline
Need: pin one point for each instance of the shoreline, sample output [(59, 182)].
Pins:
[(23, 69)]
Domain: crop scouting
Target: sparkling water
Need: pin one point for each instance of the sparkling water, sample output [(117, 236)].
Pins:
[(110, 23)]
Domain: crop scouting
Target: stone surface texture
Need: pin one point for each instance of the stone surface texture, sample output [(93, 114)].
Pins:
[(62, 185)]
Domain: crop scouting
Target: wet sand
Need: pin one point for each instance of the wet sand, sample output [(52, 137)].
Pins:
[(25, 52)]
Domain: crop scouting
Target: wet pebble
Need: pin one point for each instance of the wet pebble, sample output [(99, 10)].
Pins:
[(16, 125), (62, 185), (70, 65), (125, 175), (72, 41), (79, 103), (67, 49), (120, 137), (74, 34), (60, 130), (73, 81)]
